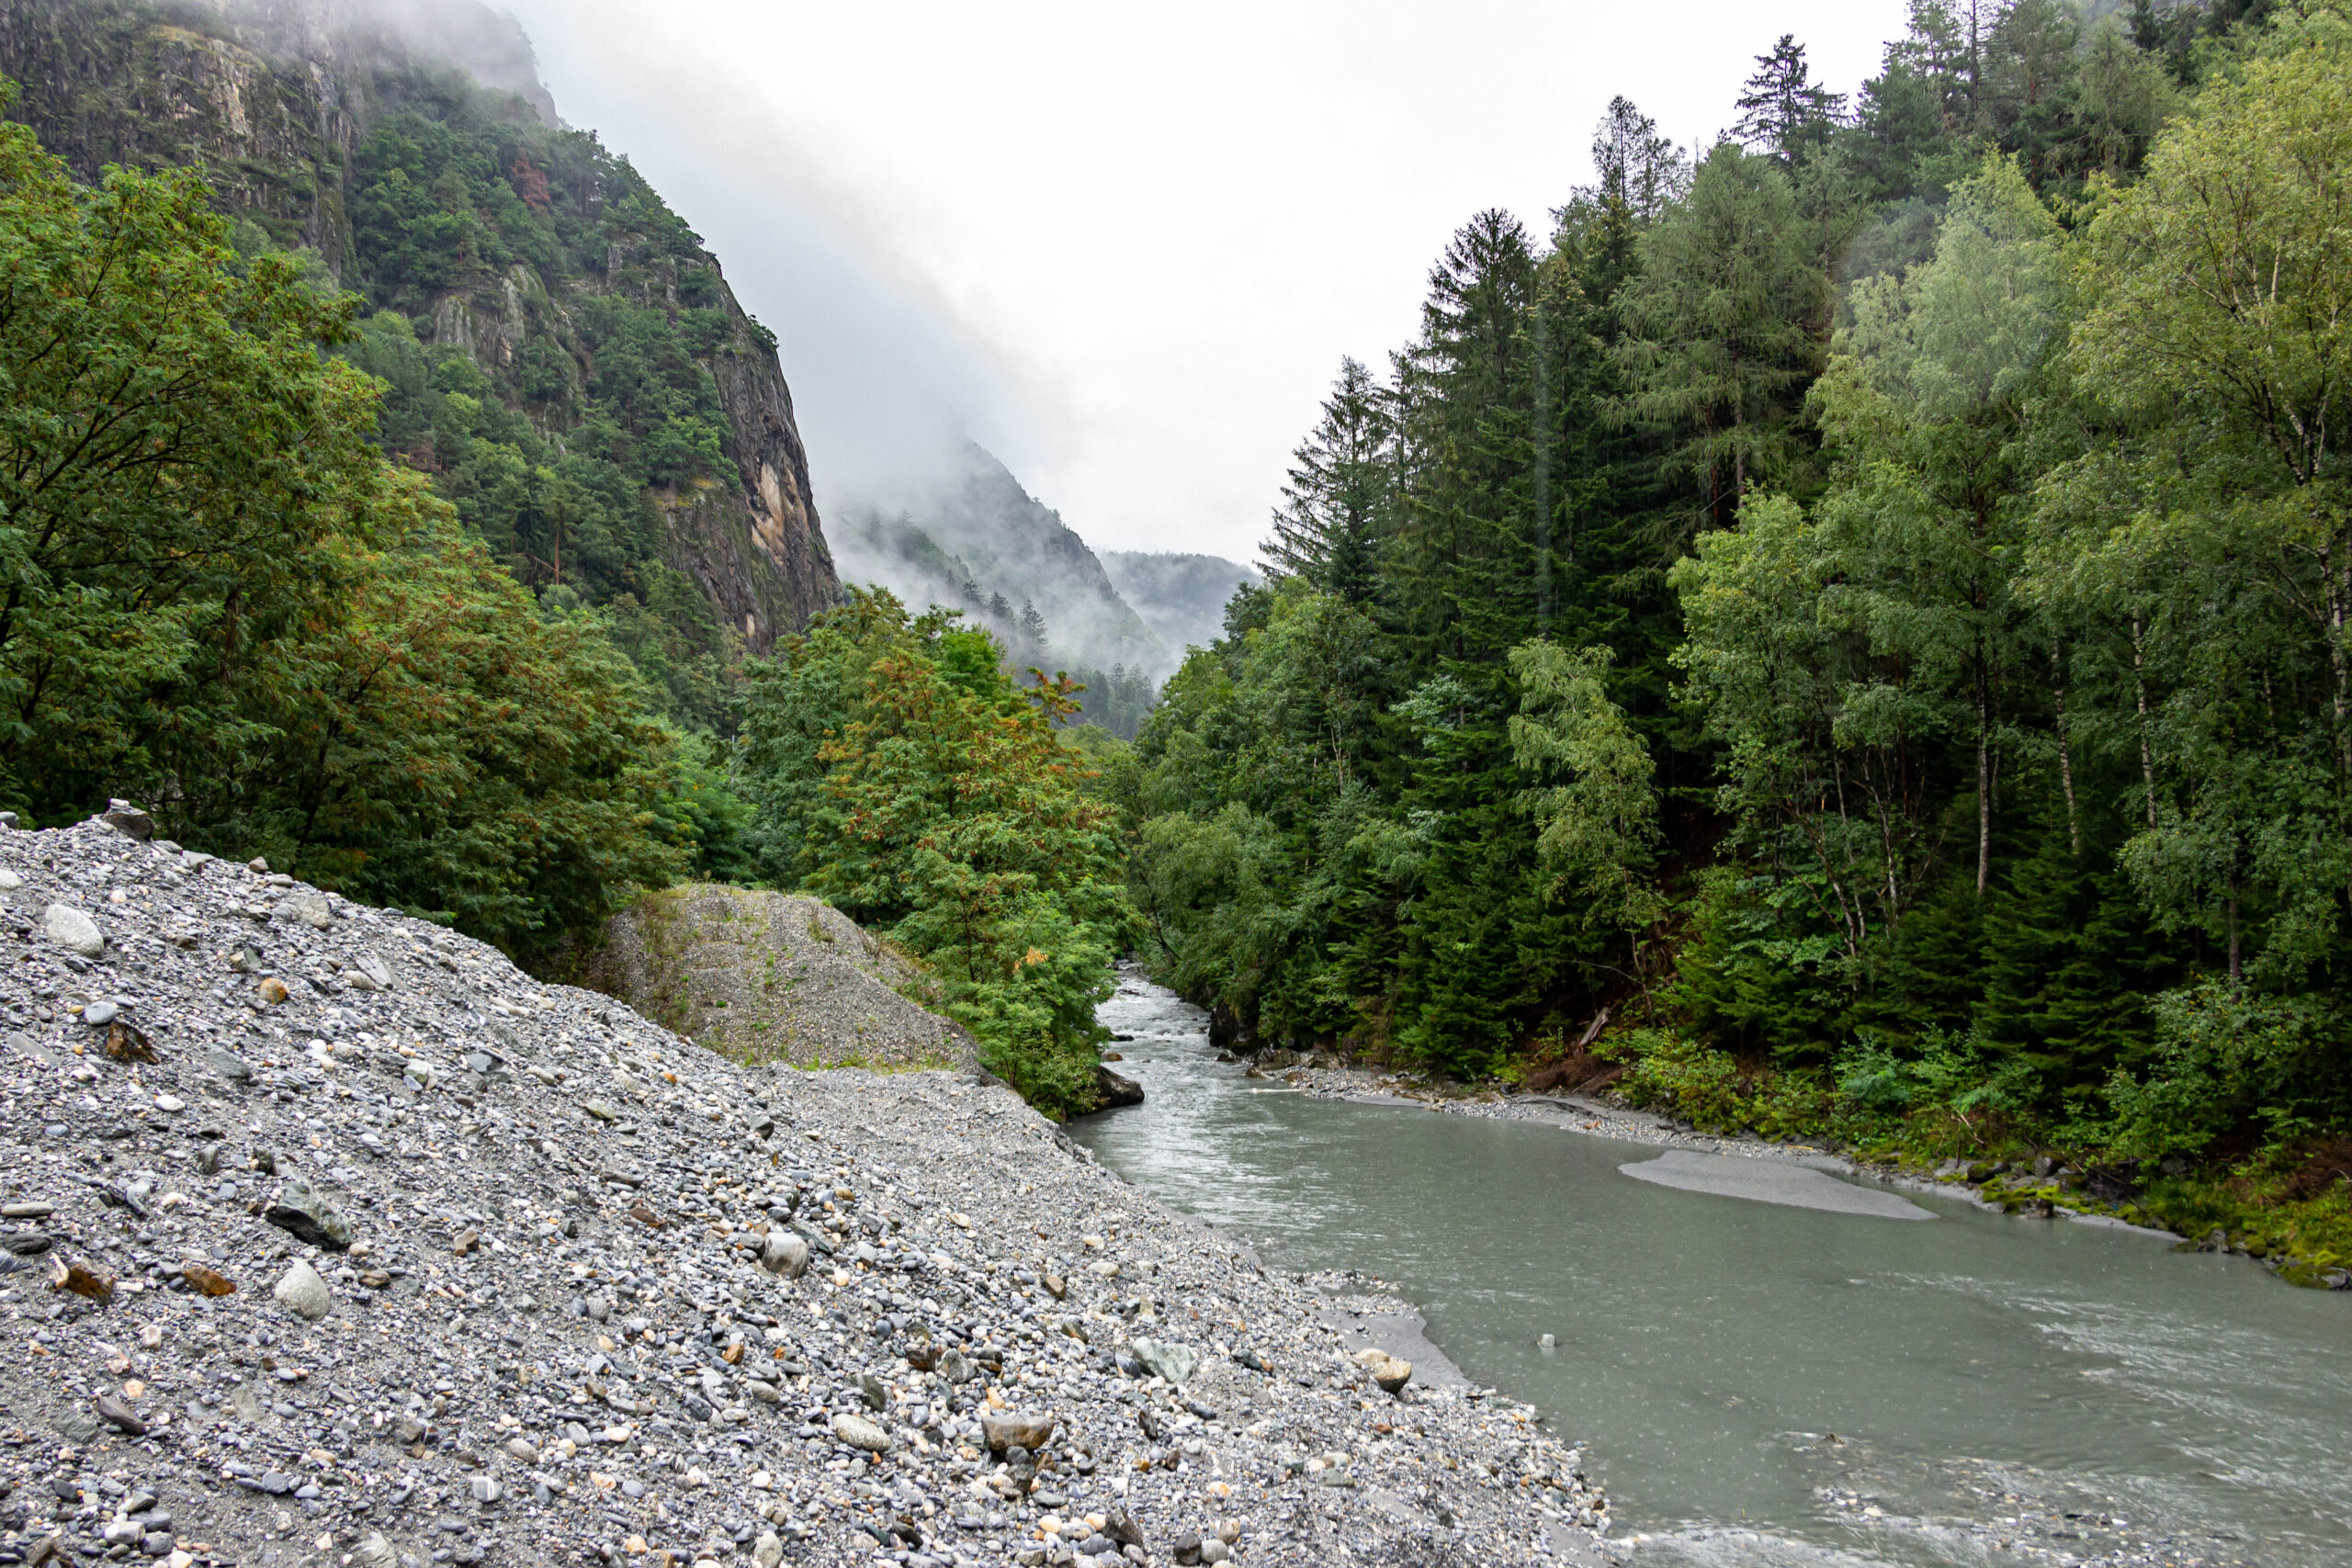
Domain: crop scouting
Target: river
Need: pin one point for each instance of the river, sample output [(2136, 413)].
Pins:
[(1764, 1385)]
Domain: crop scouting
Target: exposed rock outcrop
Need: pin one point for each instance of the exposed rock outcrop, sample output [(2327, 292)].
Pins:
[(272, 99), (774, 977)]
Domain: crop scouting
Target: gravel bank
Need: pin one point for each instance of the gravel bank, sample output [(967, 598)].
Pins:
[(375, 1252)]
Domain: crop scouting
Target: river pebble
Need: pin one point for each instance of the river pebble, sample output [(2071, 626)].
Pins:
[(394, 1254)]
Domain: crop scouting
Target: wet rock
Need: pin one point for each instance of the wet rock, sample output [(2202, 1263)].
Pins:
[(303, 1292), (1112, 1089), (72, 930)]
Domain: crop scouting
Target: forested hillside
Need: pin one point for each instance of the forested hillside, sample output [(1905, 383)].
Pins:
[(490, 678), (565, 362), (1846, 629), (974, 541), (1180, 596)]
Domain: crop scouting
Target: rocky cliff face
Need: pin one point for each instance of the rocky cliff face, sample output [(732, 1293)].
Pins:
[(274, 99)]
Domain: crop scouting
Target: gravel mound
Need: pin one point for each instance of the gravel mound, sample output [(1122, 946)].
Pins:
[(774, 977), (332, 1239)]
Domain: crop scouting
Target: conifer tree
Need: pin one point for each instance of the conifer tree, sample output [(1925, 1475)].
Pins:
[(1328, 529), (1781, 109)]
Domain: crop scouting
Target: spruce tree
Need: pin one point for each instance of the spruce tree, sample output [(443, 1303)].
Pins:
[(1781, 109), (1328, 529)]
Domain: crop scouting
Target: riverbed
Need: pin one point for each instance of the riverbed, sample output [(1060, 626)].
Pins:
[(1764, 1383)]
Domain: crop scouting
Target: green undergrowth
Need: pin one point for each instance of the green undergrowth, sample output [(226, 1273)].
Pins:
[(1944, 1111)]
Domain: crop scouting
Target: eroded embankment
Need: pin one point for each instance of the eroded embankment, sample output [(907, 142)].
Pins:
[(376, 1250)]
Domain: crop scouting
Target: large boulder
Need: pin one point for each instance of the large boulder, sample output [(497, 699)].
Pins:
[(776, 977), (1115, 1089)]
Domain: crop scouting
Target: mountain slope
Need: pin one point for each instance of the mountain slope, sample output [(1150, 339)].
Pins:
[(565, 359), (1182, 597), (977, 537)]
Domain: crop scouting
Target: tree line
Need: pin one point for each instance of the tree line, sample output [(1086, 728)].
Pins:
[(1847, 629)]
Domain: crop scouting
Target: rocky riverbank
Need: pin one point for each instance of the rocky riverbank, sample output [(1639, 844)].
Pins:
[(334, 1240)]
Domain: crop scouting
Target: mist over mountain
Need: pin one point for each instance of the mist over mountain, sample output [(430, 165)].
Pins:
[(974, 539), (1182, 597)]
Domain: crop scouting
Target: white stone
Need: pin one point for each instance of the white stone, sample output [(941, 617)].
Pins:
[(72, 930), (303, 1292)]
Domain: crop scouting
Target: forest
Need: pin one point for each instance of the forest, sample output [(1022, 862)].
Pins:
[(1843, 633)]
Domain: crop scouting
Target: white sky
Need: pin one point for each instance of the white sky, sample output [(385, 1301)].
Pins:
[(1123, 247)]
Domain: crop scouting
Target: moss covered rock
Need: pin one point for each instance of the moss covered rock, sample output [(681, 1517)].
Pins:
[(776, 977)]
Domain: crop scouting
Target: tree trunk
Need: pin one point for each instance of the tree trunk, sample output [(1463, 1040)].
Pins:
[(2237, 952), (2140, 686), (2065, 755), (1984, 791)]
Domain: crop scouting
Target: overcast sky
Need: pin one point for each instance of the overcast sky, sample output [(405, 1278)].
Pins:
[(1122, 246)]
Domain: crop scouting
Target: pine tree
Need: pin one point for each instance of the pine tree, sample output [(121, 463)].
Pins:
[(1637, 164), (1035, 650), (1465, 548), (1335, 507), (1721, 329), (1781, 109)]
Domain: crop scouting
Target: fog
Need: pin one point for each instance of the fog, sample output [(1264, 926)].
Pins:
[(1123, 249)]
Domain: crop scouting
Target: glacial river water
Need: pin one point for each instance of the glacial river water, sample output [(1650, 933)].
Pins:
[(1765, 1385)]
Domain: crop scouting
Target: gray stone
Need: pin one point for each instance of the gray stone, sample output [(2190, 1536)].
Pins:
[(224, 1065), (98, 1014), (369, 973), (72, 930), (128, 819), (785, 1254), (310, 908), (303, 1210), (1173, 1362), (860, 1433), (9, 880), (303, 1292)]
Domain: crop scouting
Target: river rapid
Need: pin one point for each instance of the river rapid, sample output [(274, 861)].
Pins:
[(1763, 1385)]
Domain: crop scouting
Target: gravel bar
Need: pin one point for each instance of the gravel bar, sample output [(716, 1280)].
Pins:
[(328, 1237)]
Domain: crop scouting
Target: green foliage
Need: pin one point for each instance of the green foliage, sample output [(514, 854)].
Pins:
[(1949, 510), (900, 775), (223, 602), (568, 387)]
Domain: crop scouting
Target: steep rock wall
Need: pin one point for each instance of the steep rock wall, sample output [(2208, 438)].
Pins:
[(272, 99)]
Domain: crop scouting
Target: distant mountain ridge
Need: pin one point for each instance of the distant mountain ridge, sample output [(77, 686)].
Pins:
[(977, 541), (1182, 597)]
